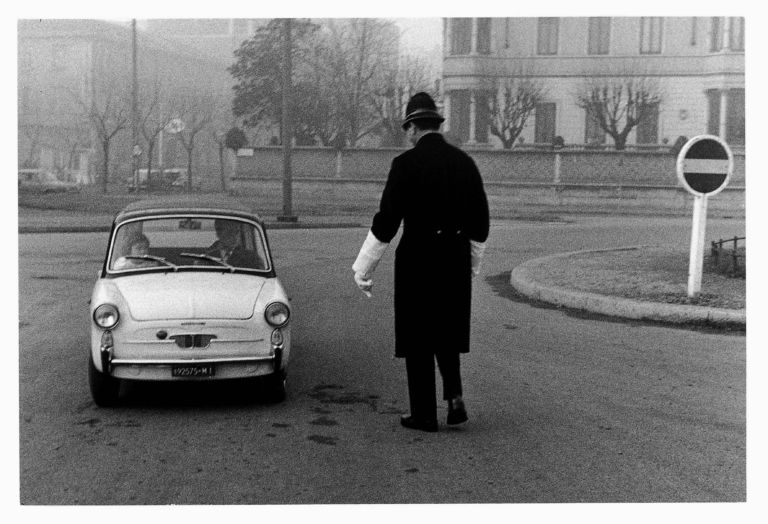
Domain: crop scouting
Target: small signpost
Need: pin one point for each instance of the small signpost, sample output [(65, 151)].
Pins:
[(704, 167)]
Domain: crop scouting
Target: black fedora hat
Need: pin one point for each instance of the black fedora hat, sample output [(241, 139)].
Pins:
[(421, 107)]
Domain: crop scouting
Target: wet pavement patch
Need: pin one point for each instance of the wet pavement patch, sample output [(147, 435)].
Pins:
[(280, 425), (125, 424), (330, 394), (321, 439), (392, 411), (324, 421), (412, 470), (92, 422)]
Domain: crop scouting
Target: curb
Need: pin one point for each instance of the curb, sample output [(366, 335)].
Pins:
[(522, 280), (106, 229)]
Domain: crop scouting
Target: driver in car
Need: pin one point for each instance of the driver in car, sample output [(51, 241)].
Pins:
[(228, 248)]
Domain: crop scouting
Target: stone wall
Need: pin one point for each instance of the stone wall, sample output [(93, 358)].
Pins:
[(576, 166)]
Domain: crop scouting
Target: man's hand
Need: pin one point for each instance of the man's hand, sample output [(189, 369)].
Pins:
[(365, 284)]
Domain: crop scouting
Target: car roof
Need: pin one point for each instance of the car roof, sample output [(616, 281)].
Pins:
[(196, 204)]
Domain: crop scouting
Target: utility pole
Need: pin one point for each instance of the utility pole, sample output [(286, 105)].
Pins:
[(136, 151), (287, 128)]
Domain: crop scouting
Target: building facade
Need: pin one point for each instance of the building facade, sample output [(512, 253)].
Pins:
[(696, 62), (216, 38), (68, 66)]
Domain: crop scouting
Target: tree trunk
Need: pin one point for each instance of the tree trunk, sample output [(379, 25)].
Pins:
[(221, 168), (150, 148), (105, 173), (189, 170), (620, 142)]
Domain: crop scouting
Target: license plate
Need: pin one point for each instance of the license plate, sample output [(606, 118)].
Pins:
[(193, 371)]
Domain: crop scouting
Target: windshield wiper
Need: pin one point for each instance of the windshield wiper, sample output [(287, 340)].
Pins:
[(208, 257), (152, 257)]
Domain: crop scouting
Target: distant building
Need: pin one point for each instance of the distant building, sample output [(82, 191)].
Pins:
[(216, 38), (64, 66), (699, 62)]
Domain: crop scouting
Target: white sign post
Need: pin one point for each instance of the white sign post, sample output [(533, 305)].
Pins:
[(704, 166)]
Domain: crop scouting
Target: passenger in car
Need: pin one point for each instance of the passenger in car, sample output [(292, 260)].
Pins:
[(139, 247)]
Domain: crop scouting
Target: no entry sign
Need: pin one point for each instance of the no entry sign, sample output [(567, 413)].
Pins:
[(704, 165)]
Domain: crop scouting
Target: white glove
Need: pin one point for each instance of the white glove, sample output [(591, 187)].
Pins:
[(367, 260), (478, 249), (365, 284)]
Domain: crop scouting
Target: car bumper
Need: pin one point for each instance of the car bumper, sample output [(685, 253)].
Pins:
[(223, 368)]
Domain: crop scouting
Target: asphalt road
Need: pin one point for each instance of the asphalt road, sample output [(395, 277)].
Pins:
[(563, 407)]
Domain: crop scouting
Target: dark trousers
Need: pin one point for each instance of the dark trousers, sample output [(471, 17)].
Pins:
[(421, 381)]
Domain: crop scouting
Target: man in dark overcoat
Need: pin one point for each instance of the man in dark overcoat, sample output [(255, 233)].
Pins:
[(436, 191)]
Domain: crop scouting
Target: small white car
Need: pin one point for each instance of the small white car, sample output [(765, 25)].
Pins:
[(188, 292)]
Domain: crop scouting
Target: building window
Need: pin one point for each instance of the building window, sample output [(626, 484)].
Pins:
[(547, 36), (599, 35), (544, 128), (650, 35), (593, 133), (734, 115), (713, 113), (716, 34), (734, 121), (648, 127), (460, 115), (484, 36), (736, 40), (482, 117), (461, 36)]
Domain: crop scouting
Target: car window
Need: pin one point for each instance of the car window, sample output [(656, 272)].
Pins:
[(188, 243)]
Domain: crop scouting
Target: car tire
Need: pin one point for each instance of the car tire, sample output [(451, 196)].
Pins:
[(276, 386), (105, 389)]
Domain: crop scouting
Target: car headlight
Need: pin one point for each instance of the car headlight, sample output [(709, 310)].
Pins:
[(277, 314), (106, 316)]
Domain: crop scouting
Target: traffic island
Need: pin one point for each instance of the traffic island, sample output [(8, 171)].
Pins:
[(638, 283)]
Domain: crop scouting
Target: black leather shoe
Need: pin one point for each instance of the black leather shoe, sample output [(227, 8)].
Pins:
[(416, 423), (457, 413)]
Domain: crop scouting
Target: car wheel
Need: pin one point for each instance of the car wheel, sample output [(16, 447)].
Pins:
[(275, 386), (104, 388)]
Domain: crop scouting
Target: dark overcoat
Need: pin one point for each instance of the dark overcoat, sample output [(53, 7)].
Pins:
[(436, 191)]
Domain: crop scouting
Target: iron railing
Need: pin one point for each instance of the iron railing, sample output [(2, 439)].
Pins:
[(719, 252)]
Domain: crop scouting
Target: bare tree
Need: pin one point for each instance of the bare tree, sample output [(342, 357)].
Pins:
[(619, 103), (154, 115), (220, 138), (395, 88), (359, 50), (196, 112), (73, 141), (108, 111), (510, 107), (33, 132)]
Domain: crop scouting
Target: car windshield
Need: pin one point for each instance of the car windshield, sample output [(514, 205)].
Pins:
[(186, 243)]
